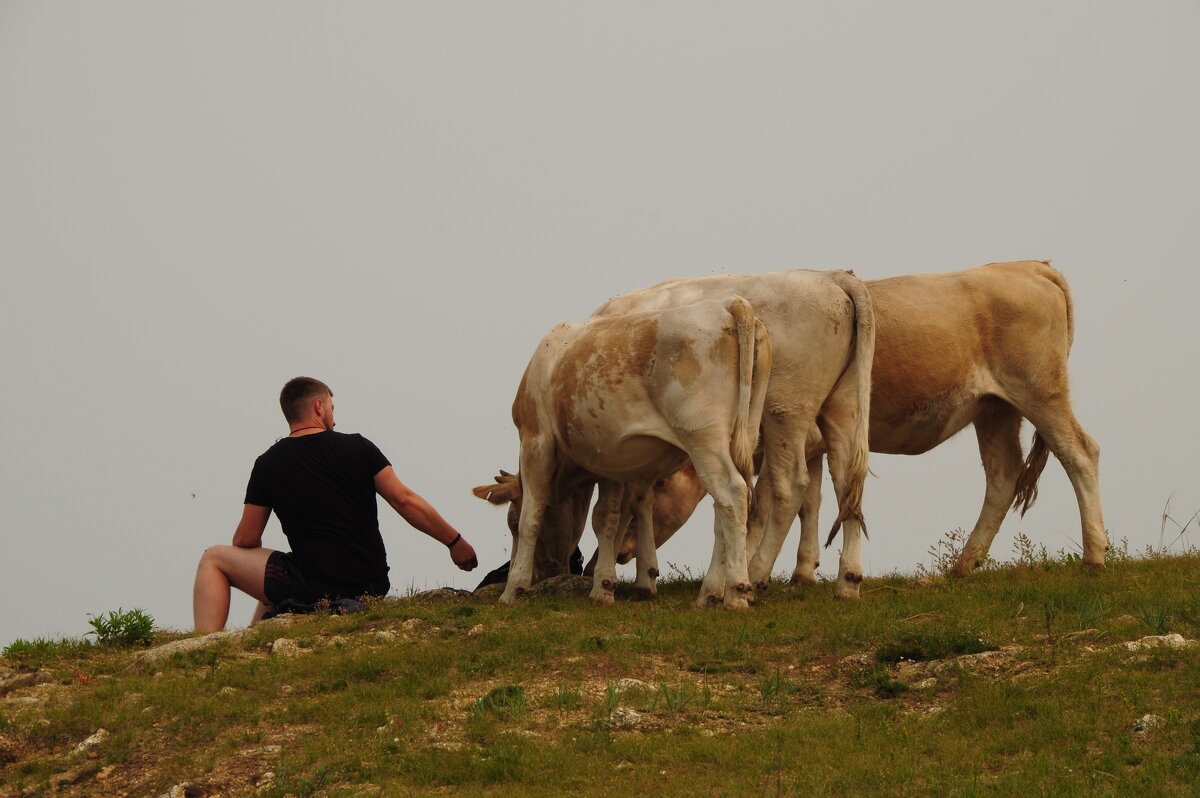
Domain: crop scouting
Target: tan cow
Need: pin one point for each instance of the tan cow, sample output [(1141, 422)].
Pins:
[(986, 346), (675, 499), (823, 336), (628, 400)]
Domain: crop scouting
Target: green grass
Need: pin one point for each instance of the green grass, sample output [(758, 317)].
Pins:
[(802, 695)]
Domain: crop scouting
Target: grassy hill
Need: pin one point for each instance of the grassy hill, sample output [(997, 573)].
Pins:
[(1032, 678)]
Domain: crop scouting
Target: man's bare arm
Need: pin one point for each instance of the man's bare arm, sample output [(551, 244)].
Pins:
[(420, 514), (250, 529)]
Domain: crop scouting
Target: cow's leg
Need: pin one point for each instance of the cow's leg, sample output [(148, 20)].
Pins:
[(786, 478), (760, 511), (645, 587), (998, 428), (727, 575), (605, 520), (838, 428), (1080, 456), (808, 554), (536, 468)]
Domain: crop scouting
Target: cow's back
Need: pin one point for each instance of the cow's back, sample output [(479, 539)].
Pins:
[(811, 320), (945, 340)]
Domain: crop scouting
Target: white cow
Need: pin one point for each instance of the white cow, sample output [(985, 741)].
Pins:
[(628, 400), (822, 328), (822, 331)]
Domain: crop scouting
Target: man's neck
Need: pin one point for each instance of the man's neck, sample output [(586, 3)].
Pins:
[(305, 429)]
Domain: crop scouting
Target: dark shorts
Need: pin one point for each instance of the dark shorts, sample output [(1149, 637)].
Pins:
[(285, 580)]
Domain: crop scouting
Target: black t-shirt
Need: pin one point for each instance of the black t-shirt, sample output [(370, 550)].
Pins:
[(322, 488)]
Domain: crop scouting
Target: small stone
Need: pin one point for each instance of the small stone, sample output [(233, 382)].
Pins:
[(285, 647), (265, 750), (1173, 640), (227, 690), (625, 718), (475, 631), (385, 636), (626, 685), (1145, 723), (564, 585), (412, 625), (91, 742)]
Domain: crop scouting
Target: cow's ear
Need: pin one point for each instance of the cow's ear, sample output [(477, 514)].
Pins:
[(506, 489)]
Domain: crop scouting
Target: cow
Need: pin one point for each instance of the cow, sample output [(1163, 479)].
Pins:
[(625, 401), (822, 332), (986, 346), (675, 499), (822, 328)]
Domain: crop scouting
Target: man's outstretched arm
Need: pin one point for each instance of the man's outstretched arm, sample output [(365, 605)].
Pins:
[(420, 514)]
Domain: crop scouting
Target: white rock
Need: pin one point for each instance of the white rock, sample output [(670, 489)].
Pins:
[(625, 718), (1173, 640), (1147, 722), (285, 647), (626, 685), (100, 736), (475, 631)]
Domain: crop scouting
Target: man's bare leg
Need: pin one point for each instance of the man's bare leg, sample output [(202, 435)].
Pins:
[(222, 568)]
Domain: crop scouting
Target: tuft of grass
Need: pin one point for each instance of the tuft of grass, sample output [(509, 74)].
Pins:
[(565, 699), (41, 651), (121, 628), (1154, 616), (506, 702), (931, 645)]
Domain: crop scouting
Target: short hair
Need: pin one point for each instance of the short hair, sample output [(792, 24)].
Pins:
[(296, 393)]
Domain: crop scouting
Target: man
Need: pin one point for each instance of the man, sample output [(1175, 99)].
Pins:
[(321, 485)]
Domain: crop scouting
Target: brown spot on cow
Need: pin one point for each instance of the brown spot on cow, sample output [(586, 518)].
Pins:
[(685, 368)]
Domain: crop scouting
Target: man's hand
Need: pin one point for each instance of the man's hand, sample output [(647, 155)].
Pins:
[(463, 555)]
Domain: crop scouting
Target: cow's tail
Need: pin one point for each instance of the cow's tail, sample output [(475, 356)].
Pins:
[(1039, 453), (857, 373), (1027, 481), (754, 366)]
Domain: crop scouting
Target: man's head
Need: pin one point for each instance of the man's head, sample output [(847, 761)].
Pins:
[(307, 399)]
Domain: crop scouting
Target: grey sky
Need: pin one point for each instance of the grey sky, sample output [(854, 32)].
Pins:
[(201, 200)]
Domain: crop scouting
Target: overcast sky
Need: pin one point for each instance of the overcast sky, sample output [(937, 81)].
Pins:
[(199, 201)]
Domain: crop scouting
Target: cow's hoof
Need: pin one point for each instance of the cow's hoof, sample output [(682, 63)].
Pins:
[(604, 598), (846, 591)]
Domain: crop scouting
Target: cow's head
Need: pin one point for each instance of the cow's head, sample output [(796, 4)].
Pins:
[(561, 529)]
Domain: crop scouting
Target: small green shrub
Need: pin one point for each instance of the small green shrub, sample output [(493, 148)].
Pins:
[(505, 701), (121, 628), (930, 646)]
